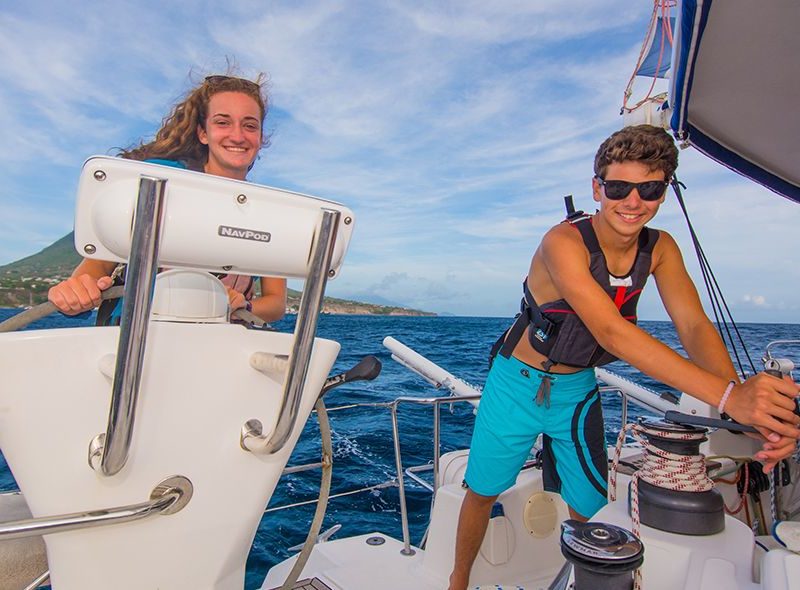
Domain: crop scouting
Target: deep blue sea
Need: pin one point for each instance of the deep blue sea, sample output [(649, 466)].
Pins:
[(363, 451)]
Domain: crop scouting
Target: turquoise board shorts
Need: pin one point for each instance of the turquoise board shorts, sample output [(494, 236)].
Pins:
[(574, 459)]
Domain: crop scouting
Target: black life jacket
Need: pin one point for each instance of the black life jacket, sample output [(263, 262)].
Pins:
[(556, 331)]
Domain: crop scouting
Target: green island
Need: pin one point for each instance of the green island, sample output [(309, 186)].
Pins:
[(25, 282)]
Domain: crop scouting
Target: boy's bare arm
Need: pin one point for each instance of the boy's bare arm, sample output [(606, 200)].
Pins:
[(678, 293), (766, 405)]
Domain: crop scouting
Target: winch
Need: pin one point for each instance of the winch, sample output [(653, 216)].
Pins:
[(604, 555)]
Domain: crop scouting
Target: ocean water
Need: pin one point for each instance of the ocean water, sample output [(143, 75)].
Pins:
[(362, 441)]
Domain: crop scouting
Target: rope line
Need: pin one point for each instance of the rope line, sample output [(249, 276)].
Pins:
[(661, 7), (663, 469)]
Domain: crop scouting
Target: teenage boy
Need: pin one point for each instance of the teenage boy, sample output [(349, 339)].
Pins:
[(580, 312)]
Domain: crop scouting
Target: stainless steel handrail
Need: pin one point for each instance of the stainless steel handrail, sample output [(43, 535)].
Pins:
[(402, 472), (401, 484), (436, 402), (252, 437), (141, 276), (39, 581), (31, 527), (411, 473), (399, 481)]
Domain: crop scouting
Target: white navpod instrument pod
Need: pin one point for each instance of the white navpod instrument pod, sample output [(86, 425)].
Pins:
[(198, 388), (209, 222)]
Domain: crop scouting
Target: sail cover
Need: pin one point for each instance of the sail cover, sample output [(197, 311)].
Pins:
[(736, 90)]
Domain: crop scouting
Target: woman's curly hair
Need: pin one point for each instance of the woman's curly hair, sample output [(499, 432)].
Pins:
[(177, 138)]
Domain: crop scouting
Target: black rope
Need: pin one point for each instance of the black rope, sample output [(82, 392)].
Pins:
[(722, 313)]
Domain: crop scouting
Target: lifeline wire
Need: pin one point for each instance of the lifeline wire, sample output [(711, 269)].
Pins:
[(715, 295)]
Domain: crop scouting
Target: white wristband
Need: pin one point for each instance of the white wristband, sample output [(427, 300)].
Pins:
[(725, 396)]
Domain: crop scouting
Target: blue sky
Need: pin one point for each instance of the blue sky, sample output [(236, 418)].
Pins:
[(452, 129)]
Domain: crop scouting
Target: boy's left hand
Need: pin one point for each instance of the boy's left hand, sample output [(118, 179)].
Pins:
[(773, 452)]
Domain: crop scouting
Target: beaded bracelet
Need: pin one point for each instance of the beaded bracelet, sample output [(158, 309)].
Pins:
[(725, 396)]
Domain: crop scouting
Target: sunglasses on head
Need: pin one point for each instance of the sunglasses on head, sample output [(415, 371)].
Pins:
[(649, 190), (217, 78)]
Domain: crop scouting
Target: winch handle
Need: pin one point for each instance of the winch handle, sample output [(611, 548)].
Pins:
[(688, 420), (366, 370)]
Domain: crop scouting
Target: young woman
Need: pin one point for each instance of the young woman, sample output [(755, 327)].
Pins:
[(217, 129)]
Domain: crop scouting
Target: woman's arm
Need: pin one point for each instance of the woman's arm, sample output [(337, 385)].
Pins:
[(271, 306)]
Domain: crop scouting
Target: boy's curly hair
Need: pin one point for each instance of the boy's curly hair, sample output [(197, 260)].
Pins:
[(652, 146)]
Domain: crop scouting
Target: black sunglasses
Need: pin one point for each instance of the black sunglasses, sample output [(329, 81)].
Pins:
[(217, 78), (649, 190)]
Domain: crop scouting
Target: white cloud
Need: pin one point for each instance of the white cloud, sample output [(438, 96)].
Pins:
[(452, 129), (758, 300)]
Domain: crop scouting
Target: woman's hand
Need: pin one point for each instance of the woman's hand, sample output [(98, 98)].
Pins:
[(78, 293), (235, 299)]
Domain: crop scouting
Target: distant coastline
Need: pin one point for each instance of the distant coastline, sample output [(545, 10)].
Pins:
[(25, 283)]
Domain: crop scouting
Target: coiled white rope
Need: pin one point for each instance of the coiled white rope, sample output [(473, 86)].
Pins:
[(685, 473)]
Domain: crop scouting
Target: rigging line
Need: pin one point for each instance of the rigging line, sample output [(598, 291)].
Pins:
[(727, 327), (666, 34), (732, 325), (715, 294), (705, 267), (392, 483), (665, 8), (713, 288), (642, 52)]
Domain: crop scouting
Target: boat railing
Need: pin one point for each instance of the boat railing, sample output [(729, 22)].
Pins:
[(398, 481), (252, 438), (168, 497), (112, 448), (412, 472)]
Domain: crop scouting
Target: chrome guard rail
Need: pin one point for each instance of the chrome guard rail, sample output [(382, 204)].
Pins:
[(436, 402), (113, 447), (252, 437), (625, 398), (39, 581), (168, 497)]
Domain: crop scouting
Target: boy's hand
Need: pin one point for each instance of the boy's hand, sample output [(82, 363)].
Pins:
[(768, 404), (774, 452)]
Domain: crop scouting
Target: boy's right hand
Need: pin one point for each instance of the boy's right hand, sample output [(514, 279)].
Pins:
[(78, 294), (768, 403)]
